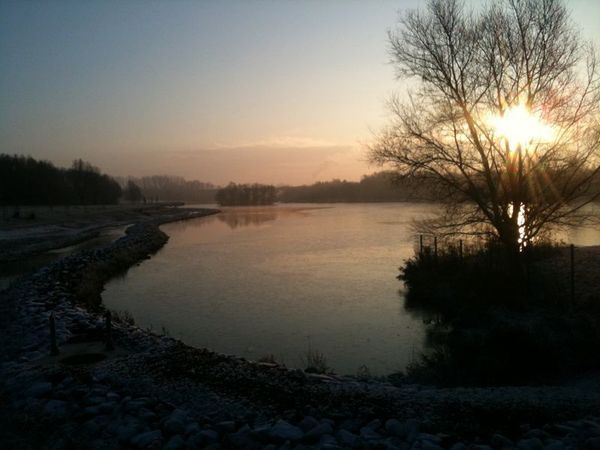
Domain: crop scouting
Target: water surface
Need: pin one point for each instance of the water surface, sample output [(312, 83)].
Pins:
[(280, 280)]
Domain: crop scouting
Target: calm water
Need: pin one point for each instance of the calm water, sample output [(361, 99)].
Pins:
[(280, 280)]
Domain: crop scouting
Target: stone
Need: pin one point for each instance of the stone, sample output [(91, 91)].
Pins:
[(346, 438), (282, 431), (91, 427), (428, 445), (242, 439), (176, 422), (429, 437), (499, 441), (39, 390), (90, 411), (227, 426), (536, 433), (555, 445), (147, 415), (192, 428), (368, 434), (56, 409), (147, 439), (393, 443), (107, 407), (209, 436), (195, 442), (127, 430), (374, 424), (459, 446), (175, 443), (133, 406), (592, 443), (395, 428), (530, 444), (352, 425), (411, 426), (308, 423), (94, 400), (215, 446), (315, 433), (113, 397), (327, 439)]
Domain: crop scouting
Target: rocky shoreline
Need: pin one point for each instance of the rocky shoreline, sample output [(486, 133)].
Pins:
[(155, 392)]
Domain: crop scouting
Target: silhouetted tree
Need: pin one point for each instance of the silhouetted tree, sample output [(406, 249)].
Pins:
[(172, 188), (132, 192), (25, 181), (514, 59)]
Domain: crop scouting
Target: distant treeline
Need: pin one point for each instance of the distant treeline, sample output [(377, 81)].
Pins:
[(171, 188), (26, 181), (378, 187), (246, 194)]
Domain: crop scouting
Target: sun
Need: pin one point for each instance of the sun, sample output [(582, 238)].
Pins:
[(520, 127)]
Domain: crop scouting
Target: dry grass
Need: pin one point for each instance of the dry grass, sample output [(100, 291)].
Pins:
[(315, 362)]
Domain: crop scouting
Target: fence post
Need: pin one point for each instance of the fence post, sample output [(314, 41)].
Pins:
[(53, 344), (572, 273), (109, 341)]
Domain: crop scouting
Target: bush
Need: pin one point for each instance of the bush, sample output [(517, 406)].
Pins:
[(489, 324)]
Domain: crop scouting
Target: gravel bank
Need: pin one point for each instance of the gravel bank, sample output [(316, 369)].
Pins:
[(155, 392)]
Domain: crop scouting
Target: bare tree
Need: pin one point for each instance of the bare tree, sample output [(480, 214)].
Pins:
[(505, 119)]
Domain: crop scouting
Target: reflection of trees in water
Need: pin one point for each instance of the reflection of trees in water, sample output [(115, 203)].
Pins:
[(245, 219), (241, 217)]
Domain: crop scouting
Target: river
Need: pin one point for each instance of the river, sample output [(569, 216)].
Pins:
[(284, 280)]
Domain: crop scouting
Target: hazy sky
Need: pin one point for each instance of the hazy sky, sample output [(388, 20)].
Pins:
[(270, 91)]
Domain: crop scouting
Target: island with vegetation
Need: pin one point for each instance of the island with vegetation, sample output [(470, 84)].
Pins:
[(246, 195)]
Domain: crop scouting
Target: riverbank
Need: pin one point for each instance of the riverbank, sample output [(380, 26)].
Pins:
[(153, 391), (40, 229)]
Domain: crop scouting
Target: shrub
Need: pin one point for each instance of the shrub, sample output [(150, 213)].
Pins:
[(315, 362)]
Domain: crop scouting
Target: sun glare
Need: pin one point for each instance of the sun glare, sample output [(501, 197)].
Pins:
[(520, 127)]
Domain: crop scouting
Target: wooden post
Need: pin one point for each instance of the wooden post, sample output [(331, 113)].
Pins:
[(420, 245), (109, 341), (53, 344), (572, 273)]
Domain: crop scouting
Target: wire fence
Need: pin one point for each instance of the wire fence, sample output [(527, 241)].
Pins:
[(557, 261)]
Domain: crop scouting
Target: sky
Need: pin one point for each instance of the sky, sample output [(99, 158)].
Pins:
[(284, 92)]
